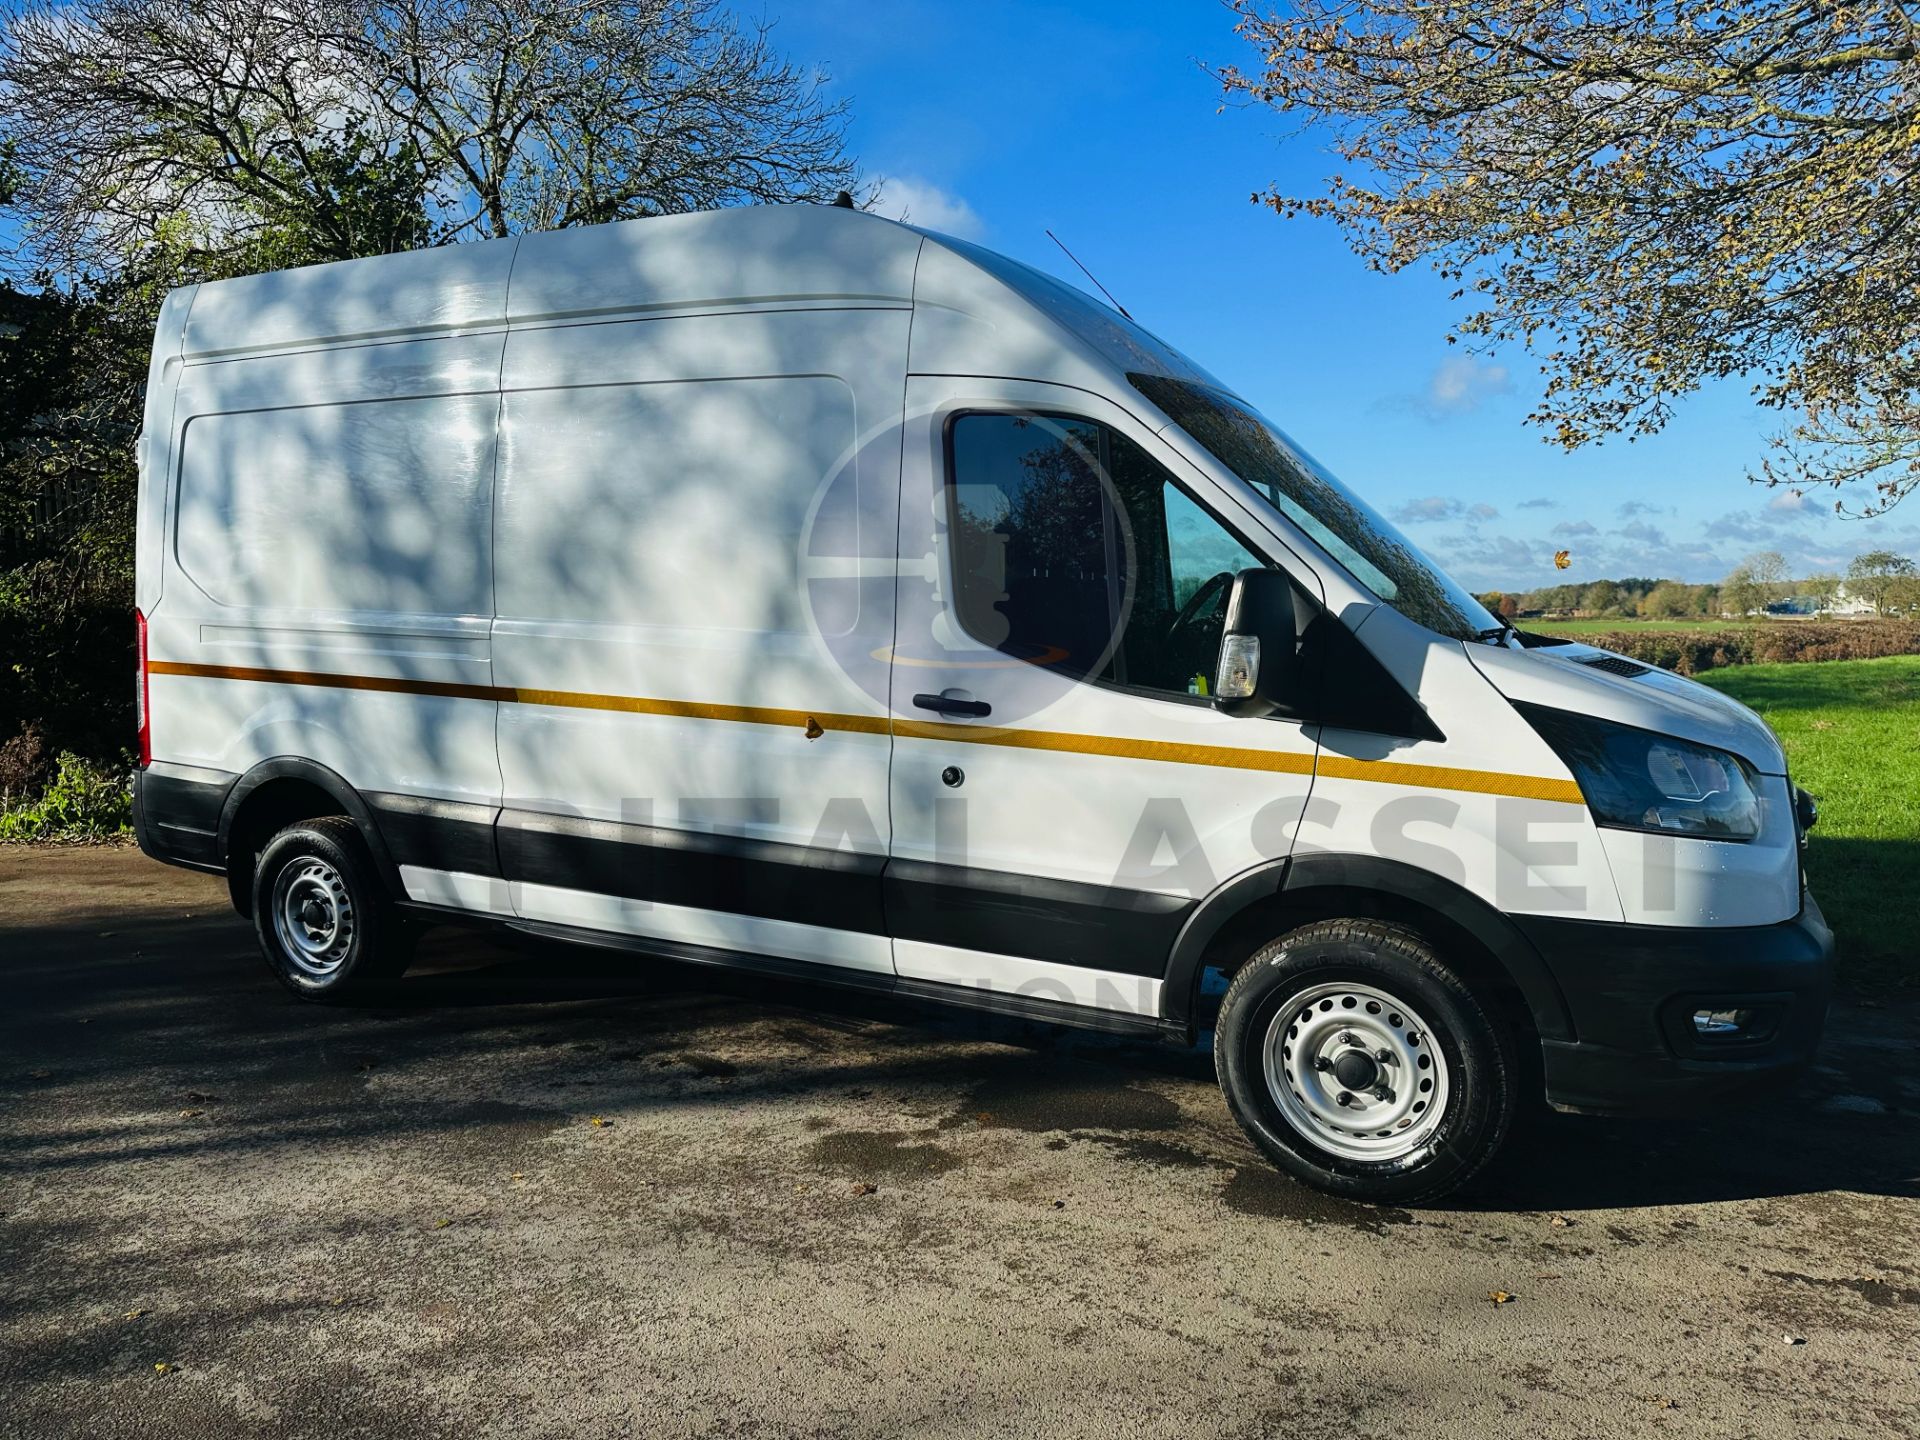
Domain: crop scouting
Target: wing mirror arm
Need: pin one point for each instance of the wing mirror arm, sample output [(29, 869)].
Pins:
[(1259, 671)]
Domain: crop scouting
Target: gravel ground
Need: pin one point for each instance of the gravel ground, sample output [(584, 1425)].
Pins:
[(569, 1193)]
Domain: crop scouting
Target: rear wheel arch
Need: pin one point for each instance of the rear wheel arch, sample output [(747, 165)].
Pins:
[(277, 793)]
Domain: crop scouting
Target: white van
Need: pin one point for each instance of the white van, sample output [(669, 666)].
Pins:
[(795, 590)]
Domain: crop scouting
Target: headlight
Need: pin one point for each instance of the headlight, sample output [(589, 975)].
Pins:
[(1637, 780)]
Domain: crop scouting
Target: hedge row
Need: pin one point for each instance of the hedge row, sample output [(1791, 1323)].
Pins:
[(1691, 651)]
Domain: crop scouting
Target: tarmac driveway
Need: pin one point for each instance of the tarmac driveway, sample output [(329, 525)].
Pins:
[(552, 1192)]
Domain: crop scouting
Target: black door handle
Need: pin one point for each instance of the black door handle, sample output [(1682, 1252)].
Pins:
[(947, 705)]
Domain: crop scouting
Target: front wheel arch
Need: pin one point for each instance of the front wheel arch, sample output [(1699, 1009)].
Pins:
[(1282, 895)]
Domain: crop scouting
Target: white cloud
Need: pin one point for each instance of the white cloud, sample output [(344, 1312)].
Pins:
[(1460, 384), (1443, 507), (921, 202), (1434, 507), (1747, 528), (1794, 503)]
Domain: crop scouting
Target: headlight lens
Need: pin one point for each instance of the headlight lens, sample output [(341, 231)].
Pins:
[(1637, 780)]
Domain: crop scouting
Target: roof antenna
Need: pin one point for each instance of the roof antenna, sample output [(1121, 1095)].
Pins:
[(1088, 273)]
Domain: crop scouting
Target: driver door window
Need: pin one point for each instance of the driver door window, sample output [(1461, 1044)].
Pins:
[(1073, 549)]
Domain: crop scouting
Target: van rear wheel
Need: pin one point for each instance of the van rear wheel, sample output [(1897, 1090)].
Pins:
[(1357, 1061), (325, 923)]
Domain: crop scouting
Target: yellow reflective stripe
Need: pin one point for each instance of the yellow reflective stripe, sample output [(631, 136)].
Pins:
[(1445, 777), (391, 684), (1283, 762), (699, 710), (1387, 772)]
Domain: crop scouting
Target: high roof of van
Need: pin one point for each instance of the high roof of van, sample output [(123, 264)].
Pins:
[(976, 312)]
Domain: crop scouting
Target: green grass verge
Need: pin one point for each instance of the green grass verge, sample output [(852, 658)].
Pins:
[(1851, 729)]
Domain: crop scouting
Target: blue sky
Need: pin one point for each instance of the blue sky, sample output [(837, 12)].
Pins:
[(998, 120)]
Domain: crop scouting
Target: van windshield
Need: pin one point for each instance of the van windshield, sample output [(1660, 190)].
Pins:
[(1345, 526)]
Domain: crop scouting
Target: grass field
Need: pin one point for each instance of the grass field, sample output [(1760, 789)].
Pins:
[(1602, 627), (1852, 733)]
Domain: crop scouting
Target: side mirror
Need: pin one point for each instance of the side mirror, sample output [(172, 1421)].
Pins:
[(1258, 665)]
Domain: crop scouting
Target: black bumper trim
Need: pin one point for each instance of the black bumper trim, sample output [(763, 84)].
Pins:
[(1632, 988), (177, 821)]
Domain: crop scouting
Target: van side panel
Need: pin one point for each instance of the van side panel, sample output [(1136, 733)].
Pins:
[(722, 261), (331, 516), (694, 544), (376, 507), (414, 294)]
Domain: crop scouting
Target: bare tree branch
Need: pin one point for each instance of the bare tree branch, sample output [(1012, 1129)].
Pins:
[(277, 131)]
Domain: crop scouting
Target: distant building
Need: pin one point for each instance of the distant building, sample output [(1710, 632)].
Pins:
[(1847, 606)]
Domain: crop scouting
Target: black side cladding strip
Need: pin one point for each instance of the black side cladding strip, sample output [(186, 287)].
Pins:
[(1026, 1007), (437, 834), (1098, 927), (801, 883)]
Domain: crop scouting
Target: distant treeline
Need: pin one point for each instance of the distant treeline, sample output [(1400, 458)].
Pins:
[(1633, 596), (1879, 581)]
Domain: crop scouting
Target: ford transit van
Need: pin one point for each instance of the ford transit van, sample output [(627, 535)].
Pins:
[(795, 590)]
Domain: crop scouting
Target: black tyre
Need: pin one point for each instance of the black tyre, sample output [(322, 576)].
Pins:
[(1360, 1063), (325, 922)]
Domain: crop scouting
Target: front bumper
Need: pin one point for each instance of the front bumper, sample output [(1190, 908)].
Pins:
[(1632, 989)]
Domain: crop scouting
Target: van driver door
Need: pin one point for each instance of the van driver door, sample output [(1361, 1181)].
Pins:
[(1063, 791)]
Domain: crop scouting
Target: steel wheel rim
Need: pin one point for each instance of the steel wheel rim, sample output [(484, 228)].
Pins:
[(1309, 1056), (313, 917)]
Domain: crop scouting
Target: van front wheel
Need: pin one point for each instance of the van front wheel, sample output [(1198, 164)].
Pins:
[(1359, 1062), (324, 920)]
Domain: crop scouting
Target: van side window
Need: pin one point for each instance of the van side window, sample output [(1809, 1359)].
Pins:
[(1075, 550)]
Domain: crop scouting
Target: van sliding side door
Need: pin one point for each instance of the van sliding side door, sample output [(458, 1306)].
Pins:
[(695, 537)]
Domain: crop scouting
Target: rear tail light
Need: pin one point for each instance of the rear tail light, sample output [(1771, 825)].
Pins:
[(142, 710)]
